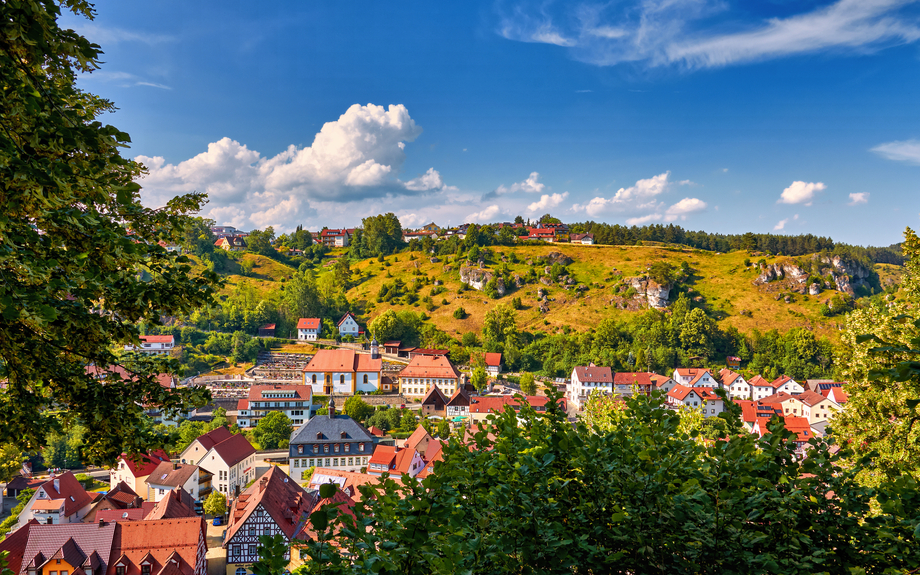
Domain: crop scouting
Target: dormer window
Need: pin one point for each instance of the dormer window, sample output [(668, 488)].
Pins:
[(319, 435), (326, 448), (300, 449), (119, 569), (145, 569)]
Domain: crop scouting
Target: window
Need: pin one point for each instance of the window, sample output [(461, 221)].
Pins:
[(326, 448), (253, 549), (342, 378), (145, 569), (314, 378), (316, 449), (335, 448), (335, 461), (300, 449), (296, 463), (365, 378), (252, 531), (327, 462), (119, 570), (347, 447), (360, 447), (351, 461), (311, 462), (240, 571)]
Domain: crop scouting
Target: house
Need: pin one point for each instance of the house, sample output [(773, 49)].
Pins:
[(395, 461), (174, 505), (273, 505), (790, 404), (458, 406), (309, 328), (118, 499), (154, 344), (133, 471), (232, 462), (425, 371), (407, 235), (20, 483), (816, 407), (543, 234), (434, 403), (337, 238), (646, 382), (343, 372), (686, 396), (695, 377), (333, 440), (732, 362), (481, 407), (198, 448), (81, 548), (347, 481), (583, 239), (168, 477), (797, 425), (176, 546), (348, 325), (836, 394), (61, 499), (432, 227), (267, 330), (735, 384), (231, 244), (294, 401), (392, 347), (223, 231), (585, 380), (760, 388), (787, 384), (493, 363)]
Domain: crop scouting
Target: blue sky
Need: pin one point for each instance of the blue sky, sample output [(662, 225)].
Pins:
[(795, 117)]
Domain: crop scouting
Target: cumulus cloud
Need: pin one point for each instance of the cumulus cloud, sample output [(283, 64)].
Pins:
[(530, 185), (411, 221), (640, 197), (642, 220), (801, 193), (858, 198), (782, 223), (485, 216), (352, 159), (684, 208), (705, 33), (547, 202), (900, 151)]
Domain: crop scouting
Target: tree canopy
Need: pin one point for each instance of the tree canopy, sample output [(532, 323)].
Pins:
[(79, 255)]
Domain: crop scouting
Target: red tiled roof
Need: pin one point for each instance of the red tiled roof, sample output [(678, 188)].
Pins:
[(347, 315), (430, 366), (366, 363), (680, 392), (700, 375), (376, 431), (810, 397), (415, 440), (285, 502), (493, 359), (728, 376), (133, 514), (172, 506), (301, 392), (164, 379), (162, 540), (594, 374), (158, 339), (71, 491), (383, 455), (641, 378), (213, 437), (780, 397), (779, 381), (15, 544), (308, 323), (404, 459), (836, 394), (234, 449), (759, 381), (460, 397), (46, 540)]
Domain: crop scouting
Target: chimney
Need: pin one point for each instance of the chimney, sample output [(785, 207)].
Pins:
[(102, 523), (175, 465), (262, 483), (57, 485)]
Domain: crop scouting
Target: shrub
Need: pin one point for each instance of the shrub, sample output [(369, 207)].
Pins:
[(459, 313)]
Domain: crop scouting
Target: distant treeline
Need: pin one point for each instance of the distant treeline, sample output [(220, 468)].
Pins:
[(773, 243)]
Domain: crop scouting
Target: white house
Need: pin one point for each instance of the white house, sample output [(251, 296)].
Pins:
[(134, 470), (308, 328), (787, 384), (646, 382), (61, 499), (584, 239), (585, 380), (760, 388), (232, 462), (202, 444), (348, 325), (343, 372), (170, 477), (695, 377), (493, 363), (735, 384), (154, 344), (294, 401)]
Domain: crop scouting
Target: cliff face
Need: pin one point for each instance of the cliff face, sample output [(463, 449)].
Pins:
[(655, 294), (841, 275), (478, 278)]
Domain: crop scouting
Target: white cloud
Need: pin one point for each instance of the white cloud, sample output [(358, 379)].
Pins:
[(530, 185), (780, 225), (353, 159), (859, 198), (411, 221), (485, 216), (900, 151), (705, 33), (640, 197), (547, 202), (801, 193), (105, 35), (684, 208), (642, 220)]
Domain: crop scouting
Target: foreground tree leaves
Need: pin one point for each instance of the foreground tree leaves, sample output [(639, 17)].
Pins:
[(79, 260), (640, 496)]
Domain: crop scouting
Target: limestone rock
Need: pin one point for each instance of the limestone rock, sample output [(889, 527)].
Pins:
[(478, 278), (546, 280), (435, 260), (656, 294)]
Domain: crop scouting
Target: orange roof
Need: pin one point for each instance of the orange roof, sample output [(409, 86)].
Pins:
[(728, 376), (383, 455), (403, 462), (430, 366), (640, 378), (70, 490), (160, 540), (779, 381), (493, 359), (680, 392), (48, 504), (342, 360), (158, 339), (810, 397), (594, 374), (759, 381), (301, 392), (780, 397), (699, 376), (308, 323)]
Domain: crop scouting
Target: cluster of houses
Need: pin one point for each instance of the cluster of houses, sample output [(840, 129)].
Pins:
[(805, 408)]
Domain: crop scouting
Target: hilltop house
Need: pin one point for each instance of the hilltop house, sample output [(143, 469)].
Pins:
[(493, 363), (337, 238), (61, 499), (309, 328), (154, 344), (343, 372), (584, 239), (348, 325), (231, 244)]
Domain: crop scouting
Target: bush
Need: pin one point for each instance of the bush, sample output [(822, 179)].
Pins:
[(459, 313)]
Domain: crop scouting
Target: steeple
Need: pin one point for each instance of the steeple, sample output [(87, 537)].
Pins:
[(375, 349), (331, 406)]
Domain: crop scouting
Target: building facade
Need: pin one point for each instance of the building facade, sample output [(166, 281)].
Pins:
[(294, 401), (343, 372), (425, 371)]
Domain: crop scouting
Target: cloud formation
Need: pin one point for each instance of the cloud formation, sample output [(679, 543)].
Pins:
[(485, 216), (547, 202), (639, 197), (801, 193), (353, 159), (900, 151), (531, 185), (698, 34), (858, 198)]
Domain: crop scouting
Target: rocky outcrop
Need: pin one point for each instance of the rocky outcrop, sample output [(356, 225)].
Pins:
[(478, 278), (842, 275), (656, 294), (772, 272), (847, 276), (553, 258), (814, 289)]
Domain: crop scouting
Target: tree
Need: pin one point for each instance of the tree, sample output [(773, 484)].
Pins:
[(260, 242), (343, 273), (499, 325), (11, 459), (382, 234), (528, 385), (479, 379), (81, 264), (696, 333), (660, 502), (215, 504), (64, 450), (357, 409), (273, 431), (443, 429)]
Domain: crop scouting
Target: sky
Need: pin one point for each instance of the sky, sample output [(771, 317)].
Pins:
[(719, 115)]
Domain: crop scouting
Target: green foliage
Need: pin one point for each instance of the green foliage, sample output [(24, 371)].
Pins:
[(11, 458), (215, 504), (459, 313), (479, 379), (500, 325), (402, 326), (662, 273), (516, 304), (272, 561), (80, 262), (260, 242), (382, 235), (660, 501), (528, 385), (64, 450), (357, 409), (23, 498), (273, 431)]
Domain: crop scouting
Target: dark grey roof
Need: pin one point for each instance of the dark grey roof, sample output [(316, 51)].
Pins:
[(331, 429)]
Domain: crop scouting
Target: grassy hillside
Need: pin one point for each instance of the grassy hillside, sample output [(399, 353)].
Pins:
[(720, 283)]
